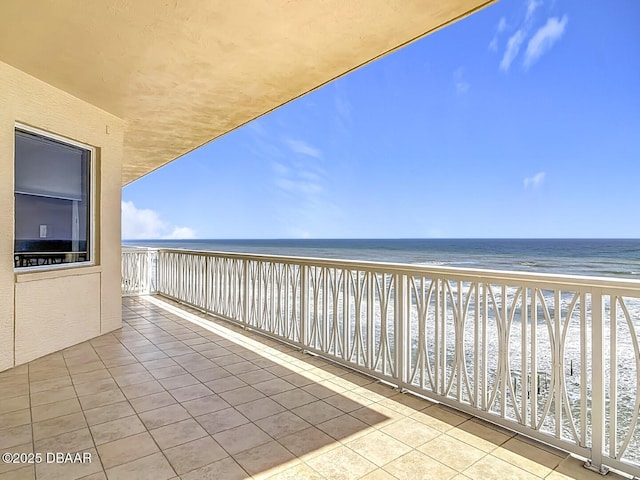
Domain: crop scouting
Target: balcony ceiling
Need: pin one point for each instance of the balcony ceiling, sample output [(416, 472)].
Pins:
[(184, 72)]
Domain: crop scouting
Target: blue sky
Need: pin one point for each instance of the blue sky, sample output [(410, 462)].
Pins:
[(522, 120)]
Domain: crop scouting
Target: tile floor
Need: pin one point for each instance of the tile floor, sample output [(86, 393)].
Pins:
[(166, 398)]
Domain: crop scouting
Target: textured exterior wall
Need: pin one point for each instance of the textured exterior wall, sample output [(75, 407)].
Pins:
[(49, 310), (49, 317)]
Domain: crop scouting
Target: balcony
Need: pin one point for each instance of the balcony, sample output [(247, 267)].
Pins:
[(179, 392)]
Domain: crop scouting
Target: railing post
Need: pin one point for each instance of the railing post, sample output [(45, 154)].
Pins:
[(597, 387), (245, 293), (402, 346), (154, 256), (304, 304)]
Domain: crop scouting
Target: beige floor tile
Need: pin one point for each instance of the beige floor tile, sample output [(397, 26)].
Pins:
[(529, 458), (15, 436), (298, 380), (266, 459), (161, 363), (440, 418), (75, 441), (127, 369), (151, 402), (257, 376), (221, 420), (408, 431), (195, 454), (15, 403), (323, 389), (96, 386), (126, 449), (13, 380), (92, 376), (226, 469), (308, 443), (347, 401), (294, 398), (452, 452), (118, 361), (344, 428), (58, 425), (101, 399), (341, 463), (297, 472), (69, 470), (51, 384), (86, 367), (261, 408), (107, 413), (168, 372), (480, 436), (378, 474), (241, 438), (50, 396), (379, 448), (116, 429), (178, 433), (11, 391), (282, 424), (225, 384), (56, 409), (317, 412), (48, 373), (154, 466), (493, 468), (15, 464), (417, 465), (375, 391), (203, 405), (179, 381), (241, 395), (23, 473), (273, 387), (240, 366), (142, 389), (133, 378), (210, 374), (144, 357), (164, 416), (190, 392), (375, 416)]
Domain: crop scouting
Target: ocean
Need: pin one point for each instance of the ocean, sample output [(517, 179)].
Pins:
[(593, 257)]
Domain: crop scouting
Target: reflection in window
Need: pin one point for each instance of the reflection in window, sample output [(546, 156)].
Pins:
[(52, 211)]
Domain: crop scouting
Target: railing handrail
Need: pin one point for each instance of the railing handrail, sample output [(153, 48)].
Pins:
[(630, 285)]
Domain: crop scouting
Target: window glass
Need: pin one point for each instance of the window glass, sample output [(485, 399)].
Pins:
[(52, 210)]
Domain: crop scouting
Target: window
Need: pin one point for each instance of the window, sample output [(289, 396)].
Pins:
[(52, 200)]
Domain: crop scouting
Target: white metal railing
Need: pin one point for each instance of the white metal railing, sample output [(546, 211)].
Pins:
[(137, 270), (553, 357)]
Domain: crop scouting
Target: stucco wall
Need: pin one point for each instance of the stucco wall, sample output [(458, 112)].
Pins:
[(42, 312)]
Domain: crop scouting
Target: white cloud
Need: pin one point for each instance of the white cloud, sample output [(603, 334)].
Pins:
[(303, 148), (513, 47), (532, 6), (544, 39), (462, 86), (535, 181), (502, 24), (181, 233), (145, 223)]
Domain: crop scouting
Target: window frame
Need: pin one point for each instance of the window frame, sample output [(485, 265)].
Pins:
[(91, 197)]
